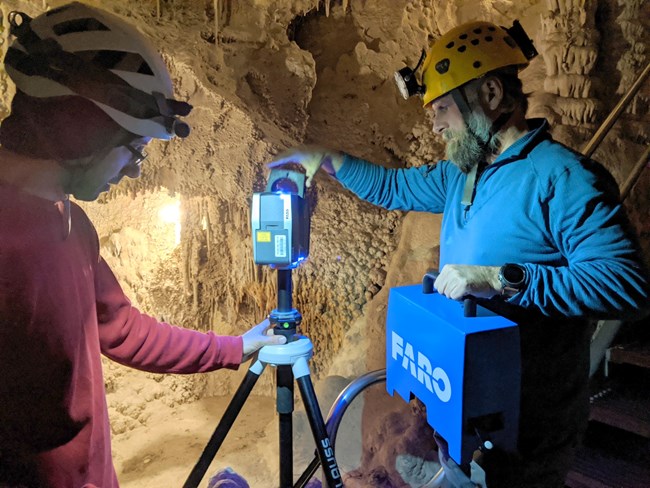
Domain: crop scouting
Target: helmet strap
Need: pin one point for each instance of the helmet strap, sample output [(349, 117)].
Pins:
[(115, 140), (460, 98), (470, 188)]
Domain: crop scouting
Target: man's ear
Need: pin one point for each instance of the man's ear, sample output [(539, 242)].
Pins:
[(491, 92)]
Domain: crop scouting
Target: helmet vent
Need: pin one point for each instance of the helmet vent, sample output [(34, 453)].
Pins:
[(78, 25), (475, 42), (130, 62), (145, 69), (477, 31), (462, 49), (462, 36), (450, 45), (477, 64), (488, 38), (442, 66)]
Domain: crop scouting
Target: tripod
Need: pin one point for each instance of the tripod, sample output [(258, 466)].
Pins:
[(290, 360)]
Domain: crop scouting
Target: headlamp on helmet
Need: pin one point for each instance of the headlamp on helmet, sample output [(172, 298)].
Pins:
[(407, 82)]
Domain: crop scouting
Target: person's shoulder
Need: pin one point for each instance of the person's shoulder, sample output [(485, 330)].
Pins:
[(551, 156), (79, 212), (81, 220), (553, 161), (83, 226)]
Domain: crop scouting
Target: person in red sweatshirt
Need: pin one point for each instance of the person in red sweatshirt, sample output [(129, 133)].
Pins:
[(91, 93)]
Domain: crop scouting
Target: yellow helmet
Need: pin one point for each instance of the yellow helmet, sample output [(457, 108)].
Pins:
[(468, 52)]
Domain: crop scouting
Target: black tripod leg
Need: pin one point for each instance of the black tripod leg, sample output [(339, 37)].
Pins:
[(225, 423), (323, 444), (308, 472), (284, 404)]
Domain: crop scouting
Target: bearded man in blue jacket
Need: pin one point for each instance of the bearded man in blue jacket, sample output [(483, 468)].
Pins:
[(528, 223)]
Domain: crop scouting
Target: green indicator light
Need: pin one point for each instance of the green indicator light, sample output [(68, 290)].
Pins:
[(285, 325)]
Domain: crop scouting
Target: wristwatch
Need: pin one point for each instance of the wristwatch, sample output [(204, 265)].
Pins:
[(512, 278)]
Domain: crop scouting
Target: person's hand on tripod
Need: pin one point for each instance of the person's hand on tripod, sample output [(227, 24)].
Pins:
[(258, 337), (311, 158)]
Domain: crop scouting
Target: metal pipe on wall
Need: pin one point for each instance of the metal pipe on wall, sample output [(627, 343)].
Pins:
[(614, 114)]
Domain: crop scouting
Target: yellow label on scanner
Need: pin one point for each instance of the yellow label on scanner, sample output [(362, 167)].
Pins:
[(263, 236)]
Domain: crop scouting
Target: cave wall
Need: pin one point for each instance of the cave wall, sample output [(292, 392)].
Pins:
[(265, 75)]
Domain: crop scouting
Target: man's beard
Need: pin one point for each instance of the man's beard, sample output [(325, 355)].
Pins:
[(472, 145)]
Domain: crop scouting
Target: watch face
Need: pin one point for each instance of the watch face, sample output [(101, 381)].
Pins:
[(513, 274)]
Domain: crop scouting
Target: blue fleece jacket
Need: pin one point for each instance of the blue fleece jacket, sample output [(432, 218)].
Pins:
[(538, 204)]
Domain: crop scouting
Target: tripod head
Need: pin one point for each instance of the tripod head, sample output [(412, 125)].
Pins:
[(280, 231)]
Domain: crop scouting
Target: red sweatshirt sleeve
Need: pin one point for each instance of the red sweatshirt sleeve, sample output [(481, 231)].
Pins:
[(132, 338)]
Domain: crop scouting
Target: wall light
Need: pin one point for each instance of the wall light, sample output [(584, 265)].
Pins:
[(171, 214)]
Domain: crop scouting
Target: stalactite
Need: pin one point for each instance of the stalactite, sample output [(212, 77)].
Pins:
[(204, 219), (216, 22), (634, 60), (192, 242), (219, 270), (4, 88), (570, 40)]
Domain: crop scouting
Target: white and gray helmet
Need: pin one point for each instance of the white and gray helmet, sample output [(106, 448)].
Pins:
[(80, 50)]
